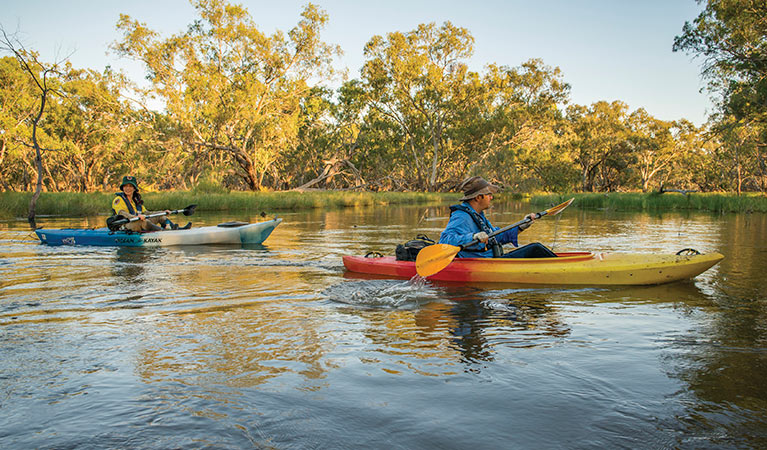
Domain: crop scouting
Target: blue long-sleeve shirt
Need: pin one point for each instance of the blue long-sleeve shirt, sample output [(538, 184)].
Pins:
[(461, 228)]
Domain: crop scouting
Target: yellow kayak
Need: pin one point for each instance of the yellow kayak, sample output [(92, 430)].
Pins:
[(574, 268)]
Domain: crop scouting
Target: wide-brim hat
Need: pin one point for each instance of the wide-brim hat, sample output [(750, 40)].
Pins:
[(475, 186), (129, 180)]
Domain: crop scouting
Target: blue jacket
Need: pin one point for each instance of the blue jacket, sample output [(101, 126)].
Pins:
[(461, 228)]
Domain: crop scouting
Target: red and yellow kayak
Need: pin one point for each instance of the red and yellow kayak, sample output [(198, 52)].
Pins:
[(572, 268)]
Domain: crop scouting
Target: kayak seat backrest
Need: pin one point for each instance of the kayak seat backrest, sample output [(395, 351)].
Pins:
[(409, 250)]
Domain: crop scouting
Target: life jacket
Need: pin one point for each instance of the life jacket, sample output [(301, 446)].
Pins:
[(128, 205), (484, 225)]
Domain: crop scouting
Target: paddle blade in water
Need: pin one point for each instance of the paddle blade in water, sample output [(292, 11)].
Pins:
[(434, 258)]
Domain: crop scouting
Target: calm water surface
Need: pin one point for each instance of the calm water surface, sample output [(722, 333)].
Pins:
[(275, 346)]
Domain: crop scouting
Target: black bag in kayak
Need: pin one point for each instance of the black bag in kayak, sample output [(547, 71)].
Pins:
[(409, 250)]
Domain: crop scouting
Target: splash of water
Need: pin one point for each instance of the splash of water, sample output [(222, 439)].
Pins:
[(383, 293)]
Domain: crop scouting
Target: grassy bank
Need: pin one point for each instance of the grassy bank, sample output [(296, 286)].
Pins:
[(670, 201), (70, 204)]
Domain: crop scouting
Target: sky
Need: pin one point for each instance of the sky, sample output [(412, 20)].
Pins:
[(606, 49)]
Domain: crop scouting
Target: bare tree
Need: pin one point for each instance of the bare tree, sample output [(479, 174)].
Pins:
[(42, 75)]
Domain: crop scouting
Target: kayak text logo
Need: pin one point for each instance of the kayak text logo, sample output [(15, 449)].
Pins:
[(127, 240)]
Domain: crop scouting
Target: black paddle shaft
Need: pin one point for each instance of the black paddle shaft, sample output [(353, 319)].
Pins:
[(506, 228), (115, 222)]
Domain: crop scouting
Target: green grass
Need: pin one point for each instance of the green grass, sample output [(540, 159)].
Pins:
[(16, 204), (72, 204), (670, 201)]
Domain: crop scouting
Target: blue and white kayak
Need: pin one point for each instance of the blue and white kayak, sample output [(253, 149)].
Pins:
[(225, 233)]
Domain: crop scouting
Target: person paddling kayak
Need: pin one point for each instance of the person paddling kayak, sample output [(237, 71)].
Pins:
[(128, 203), (468, 222)]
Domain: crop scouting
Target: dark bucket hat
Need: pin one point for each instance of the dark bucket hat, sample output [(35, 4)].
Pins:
[(475, 186), (129, 180)]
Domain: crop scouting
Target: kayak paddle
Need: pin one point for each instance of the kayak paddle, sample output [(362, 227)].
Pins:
[(434, 258), (115, 222)]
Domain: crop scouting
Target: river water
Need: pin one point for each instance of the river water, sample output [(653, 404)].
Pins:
[(276, 346)]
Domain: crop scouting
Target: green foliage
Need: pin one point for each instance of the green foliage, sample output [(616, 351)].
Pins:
[(14, 204), (230, 88), (658, 202), (247, 111), (420, 84), (209, 183), (731, 38)]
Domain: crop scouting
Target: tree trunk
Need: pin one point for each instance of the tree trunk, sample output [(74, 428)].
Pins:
[(38, 163), (436, 132)]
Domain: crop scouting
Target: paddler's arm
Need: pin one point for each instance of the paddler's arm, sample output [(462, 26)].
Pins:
[(128, 215), (460, 231), (510, 236)]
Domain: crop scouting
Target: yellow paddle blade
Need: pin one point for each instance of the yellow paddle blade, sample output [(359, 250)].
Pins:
[(557, 209), (434, 258)]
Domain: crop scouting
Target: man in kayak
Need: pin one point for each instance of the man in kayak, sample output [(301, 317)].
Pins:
[(468, 222), (128, 203)]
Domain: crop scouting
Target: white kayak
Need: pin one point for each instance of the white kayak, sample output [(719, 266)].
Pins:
[(225, 233)]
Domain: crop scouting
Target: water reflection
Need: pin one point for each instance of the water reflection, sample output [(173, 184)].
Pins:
[(130, 264), (470, 319), (187, 344)]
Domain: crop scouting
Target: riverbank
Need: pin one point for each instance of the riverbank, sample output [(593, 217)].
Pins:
[(657, 202), (69, 204)]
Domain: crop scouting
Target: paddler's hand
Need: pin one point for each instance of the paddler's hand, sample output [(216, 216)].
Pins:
[(167, 212), (481, 237), (526, 225), (141, 217)]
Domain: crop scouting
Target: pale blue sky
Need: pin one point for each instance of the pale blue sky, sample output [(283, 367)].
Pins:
[(607, 49)]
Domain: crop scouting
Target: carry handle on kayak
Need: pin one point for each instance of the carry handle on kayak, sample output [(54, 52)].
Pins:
[(115, 222), (434, 258)]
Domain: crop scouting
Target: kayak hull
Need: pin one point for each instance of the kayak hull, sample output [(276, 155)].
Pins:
[(236, 233), (575, 268)]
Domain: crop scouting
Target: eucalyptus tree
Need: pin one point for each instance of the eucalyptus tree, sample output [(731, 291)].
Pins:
[(17, 107), (523, 139), (45, 79), (739, 152), (599, 139), (692, 167), (420, 82), (90, 123), (328, 140), (229, 87), (731, 38), (652, 146)]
